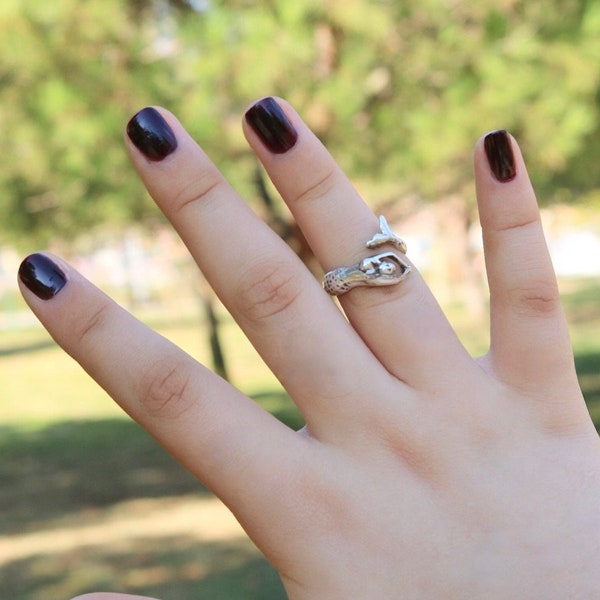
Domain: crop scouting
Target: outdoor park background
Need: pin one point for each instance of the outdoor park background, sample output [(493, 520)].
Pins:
[(398, 90)]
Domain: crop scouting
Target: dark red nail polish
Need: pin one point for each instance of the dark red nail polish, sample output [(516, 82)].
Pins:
[(271, 125), (500, 155), (151, 134), (42, 276)]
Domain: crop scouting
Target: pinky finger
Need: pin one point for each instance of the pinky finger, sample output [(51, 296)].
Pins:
[(530, 345), (526, 313)]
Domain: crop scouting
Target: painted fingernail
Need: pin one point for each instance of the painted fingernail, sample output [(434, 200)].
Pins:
[(42, 276), (151, 134), (500, 155), (271, 125)]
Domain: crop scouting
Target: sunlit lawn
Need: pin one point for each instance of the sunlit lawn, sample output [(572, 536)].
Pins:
[(88, 500)]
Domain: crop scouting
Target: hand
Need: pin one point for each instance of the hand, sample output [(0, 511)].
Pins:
[(421, 472)]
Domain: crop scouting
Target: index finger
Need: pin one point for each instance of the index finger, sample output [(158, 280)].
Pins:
[(212, 429)]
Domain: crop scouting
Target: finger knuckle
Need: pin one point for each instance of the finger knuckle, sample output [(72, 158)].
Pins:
[(268, 290), (542, 301), (322, 185), (200, 189), (166, 391), (86, 329)]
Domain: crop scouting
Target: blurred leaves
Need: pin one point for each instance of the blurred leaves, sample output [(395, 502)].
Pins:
[(398, 90)]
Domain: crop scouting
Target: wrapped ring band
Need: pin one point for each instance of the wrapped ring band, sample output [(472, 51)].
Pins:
[(387, 268)]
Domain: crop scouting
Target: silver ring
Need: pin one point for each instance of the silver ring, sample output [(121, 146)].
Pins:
[(387, 268)]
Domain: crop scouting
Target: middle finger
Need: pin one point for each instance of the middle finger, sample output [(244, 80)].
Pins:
[(311, 348)]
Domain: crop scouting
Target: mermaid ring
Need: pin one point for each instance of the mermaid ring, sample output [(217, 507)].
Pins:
[(387, 268)]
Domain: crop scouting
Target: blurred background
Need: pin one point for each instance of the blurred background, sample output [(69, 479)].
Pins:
[(399, 90)]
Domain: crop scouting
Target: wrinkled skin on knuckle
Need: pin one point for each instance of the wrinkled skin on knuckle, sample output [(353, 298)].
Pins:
[(267, 290), (86, 330), (539, 303), (536, 299), (165, 390)]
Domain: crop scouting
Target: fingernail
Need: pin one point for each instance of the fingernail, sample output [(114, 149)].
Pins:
[(151, 134), (42, 276), (271, 125), (500, 155)]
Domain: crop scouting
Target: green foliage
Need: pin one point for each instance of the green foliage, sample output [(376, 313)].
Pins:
[(70, 77), (399, 91)]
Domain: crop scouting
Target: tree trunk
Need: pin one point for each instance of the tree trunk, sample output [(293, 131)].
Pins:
[(219, 364)]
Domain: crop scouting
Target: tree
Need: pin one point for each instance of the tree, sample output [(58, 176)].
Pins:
[(398, 90)]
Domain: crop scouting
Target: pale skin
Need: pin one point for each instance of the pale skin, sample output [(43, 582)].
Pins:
[(422, 472)]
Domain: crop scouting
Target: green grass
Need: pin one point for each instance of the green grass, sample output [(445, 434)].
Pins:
[(582, 305), (75, 471), (70, 456)]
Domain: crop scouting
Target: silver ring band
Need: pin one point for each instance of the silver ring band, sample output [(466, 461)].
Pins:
[(387, 268)]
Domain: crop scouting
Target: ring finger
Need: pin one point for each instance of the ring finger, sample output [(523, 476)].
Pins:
[(281, 308), (402, 324)]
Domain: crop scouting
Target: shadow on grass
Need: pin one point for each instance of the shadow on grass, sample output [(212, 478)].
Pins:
[(173, 568), (75, 466), (36, 346), (279, 404), (67, 472), (588, 371), (582, 305)]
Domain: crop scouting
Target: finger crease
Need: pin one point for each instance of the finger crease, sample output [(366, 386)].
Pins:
[(319, 188), (182, 205), (517, 226)]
